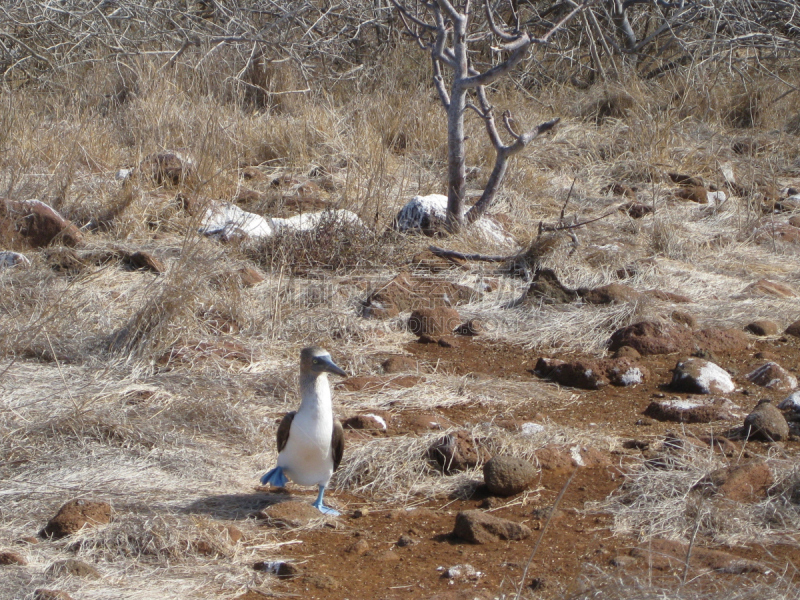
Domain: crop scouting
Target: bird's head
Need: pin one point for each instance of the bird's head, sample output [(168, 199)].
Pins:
[(316, 361)]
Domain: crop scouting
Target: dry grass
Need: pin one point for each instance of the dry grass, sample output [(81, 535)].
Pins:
[(88, 409)]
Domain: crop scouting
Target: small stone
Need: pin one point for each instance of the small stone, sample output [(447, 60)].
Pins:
[(773, 376), (360, 513), (613, 293), (793, 329), (399, 364), (279, 568), (648, 338), (684, 318), (38, 223), (582, 374), (433, 322), (699, 376), (7, 557), (791, 403), (74, 567), (636, 210), (687, 180), (464, 572), (508, 475), (693, 410), (405, 541), (366, 422), (762, 328), (479, 527), (747, 482), (694, 193), (75, 515), (767, 423), (145, 261), (457, 451), (472, 327), (10, 259), (627, 352), (359, 547)]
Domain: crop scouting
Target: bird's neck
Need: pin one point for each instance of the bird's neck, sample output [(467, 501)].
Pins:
[(315, 393)]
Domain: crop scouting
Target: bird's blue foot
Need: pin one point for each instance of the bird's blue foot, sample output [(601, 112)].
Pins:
[(275, 478), (320, 506)]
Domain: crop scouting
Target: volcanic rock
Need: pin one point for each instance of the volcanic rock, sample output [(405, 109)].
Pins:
[(699, 376), (38, 223), (145, 261), (747, 482), (457, 451), (773, 376), (648, 337), (762, 328), (7, 557), (399, 364), (793, 329), (508, 475), (692, 410), (479, 527), (636, 210), (75, 515), (695, 193), (767, 423), (433, 322), (724, 341)]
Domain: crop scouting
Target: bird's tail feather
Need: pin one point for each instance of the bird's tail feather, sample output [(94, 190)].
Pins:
[(275, 478)]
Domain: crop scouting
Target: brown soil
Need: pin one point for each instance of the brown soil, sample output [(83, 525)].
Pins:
[(360, 557)]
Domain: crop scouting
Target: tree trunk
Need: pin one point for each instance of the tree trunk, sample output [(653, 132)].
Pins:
[(456, 159)]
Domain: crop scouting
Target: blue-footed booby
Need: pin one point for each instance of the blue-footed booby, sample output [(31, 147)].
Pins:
[(310, 440)]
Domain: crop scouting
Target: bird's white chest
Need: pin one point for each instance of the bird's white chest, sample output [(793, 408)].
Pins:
[(307, 458)]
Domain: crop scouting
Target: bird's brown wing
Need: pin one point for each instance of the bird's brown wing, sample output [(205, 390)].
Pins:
[(283, 430), (337, 443)]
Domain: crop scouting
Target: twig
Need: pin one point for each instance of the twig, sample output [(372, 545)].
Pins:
[(541, 535), (462, 256)]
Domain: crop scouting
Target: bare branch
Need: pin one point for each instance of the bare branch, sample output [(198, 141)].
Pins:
[(506, 37)]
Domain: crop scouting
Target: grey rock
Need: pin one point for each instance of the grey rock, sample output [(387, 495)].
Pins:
[(766, 422), (508, 475), (700, 376)]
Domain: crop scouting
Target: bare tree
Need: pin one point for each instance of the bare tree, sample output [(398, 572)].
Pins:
[(445, 29)]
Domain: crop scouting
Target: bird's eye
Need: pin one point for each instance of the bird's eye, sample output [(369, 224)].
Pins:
[(315, 361)]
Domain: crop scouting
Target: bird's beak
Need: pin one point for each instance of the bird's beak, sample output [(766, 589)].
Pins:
[(329, 366)]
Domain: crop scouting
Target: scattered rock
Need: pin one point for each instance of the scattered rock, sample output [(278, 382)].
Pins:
[(359, 547), (463, 572), (10, 259), (727, 341), (167, 168), (290, 514), (74, 567), (699, 376), (399, 364), (627, 352), (75, 515), (793, 329), (767, 423), (404, 292), (369, 422), (695, 193), (405, 540), (472, 327), (665, 555), (791, 403), (479, 527), (648, 337), (547, 288), (42, 594), (457, 451), (684, 318), (192, 352), (7, 557), (38, 223), (581, 374), (624, 371), (428, 215), (508, 475), (636, 210), (613, 293), (279, 568), (764, 287), (433, 322), (762, 328), (686, 180), (747, 482), (773, 376), (693, 410), (422, 423), (320, 582), (145, 261)]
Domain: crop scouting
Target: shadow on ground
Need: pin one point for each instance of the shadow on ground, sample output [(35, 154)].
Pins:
[(235, 506)]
